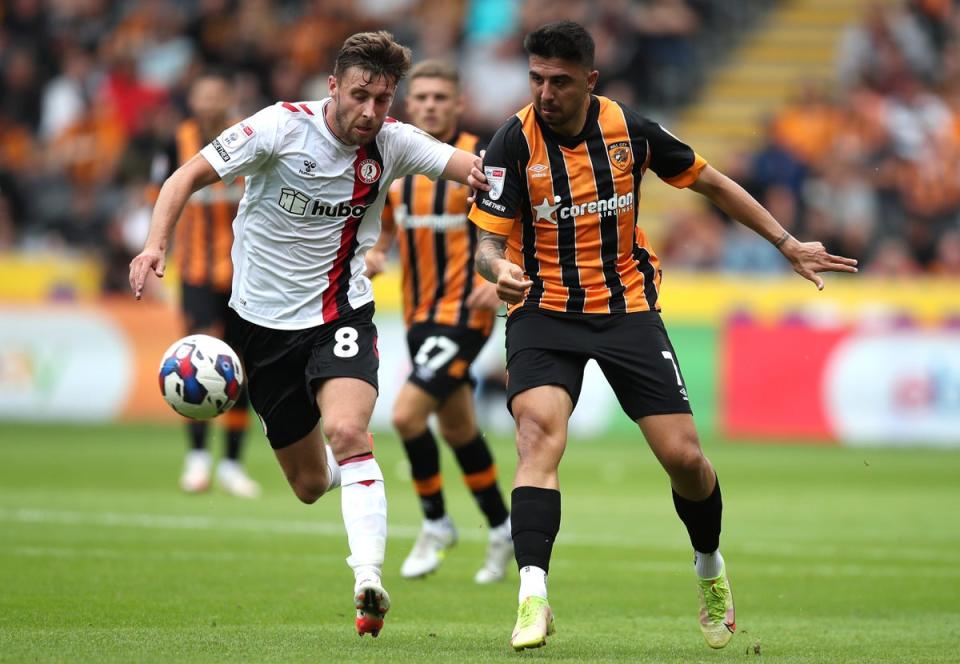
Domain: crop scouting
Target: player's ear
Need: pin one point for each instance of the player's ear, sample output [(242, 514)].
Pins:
[(592, 79), (332, 84)]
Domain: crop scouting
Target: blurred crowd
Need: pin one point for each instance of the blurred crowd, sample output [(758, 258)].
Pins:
[(91, 90), (869, 163)]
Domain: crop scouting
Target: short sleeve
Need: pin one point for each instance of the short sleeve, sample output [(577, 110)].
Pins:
[(496, 210), (243, 148), (671, 159), (419, 153)]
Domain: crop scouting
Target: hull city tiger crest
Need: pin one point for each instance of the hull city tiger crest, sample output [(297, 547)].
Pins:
[(620, 155)]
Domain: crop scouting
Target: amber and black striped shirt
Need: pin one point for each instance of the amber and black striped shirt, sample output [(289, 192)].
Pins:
[(437, 245), (204, 236), (568, 206)]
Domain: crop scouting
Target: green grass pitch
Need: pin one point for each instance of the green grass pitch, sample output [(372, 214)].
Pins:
[(835, 555)]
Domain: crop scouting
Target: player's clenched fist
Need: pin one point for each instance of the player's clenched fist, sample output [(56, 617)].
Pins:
[(512, 284)]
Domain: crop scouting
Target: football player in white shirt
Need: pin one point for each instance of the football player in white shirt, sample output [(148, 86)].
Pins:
[(316, 176)]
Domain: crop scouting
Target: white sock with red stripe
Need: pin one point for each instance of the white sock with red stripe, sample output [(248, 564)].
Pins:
[(364, 506)]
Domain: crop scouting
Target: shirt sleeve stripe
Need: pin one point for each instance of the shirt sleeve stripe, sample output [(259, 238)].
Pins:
[(689, 176), (491, 223)]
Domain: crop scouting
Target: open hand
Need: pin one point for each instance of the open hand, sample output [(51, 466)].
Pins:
[(143, 263), (810, 258)]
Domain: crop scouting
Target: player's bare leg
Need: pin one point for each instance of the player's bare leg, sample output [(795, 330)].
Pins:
[(411, 413), (345, 408), (696, 496), (458, 425), (541, 415)]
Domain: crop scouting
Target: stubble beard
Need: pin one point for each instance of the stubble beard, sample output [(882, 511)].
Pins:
[(343, 127)]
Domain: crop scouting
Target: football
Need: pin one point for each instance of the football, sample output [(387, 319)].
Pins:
[(200, 376)]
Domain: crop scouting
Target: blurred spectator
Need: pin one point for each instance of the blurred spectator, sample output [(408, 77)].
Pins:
[(808, 124), (69, 95), (947, 261), (888, 41), (892, 258), (694, 240)]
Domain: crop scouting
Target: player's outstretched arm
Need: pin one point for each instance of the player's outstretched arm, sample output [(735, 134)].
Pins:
[(807, 258), (492, 265), (466, 168), (193, 175)]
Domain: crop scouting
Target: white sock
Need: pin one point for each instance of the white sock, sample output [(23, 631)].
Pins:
[(333, 470), (364, 506), (708, 565), (533, 583)]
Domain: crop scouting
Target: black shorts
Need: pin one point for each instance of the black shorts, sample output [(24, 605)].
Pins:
[(203, 307), (285, 368), (632, 350), (441, 356)]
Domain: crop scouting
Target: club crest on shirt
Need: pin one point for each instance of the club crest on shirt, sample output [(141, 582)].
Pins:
[(369, 171), (620, 155), (495, 178)]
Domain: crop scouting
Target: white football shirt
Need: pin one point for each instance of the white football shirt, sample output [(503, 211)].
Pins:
[(310, 209)]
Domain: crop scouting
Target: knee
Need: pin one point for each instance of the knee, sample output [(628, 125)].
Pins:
[(346, 436), (458, 433), (686, 458), (407, 422), (536, 435), (308, 489)]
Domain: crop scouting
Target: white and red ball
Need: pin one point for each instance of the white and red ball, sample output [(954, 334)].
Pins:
[(200, 376)]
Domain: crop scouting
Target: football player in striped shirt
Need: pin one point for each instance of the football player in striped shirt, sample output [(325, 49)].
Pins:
[(201, 251), (449, 312), (560, 241)]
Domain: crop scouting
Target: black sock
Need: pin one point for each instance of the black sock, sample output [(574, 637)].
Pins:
[(424, 459), (702, 519), (234, 443), (480, 475), (197, 432), (535, 523), (235, 421)]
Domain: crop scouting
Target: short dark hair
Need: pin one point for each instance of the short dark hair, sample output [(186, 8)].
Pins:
[(435, 68), (373, 52), (565, 40)]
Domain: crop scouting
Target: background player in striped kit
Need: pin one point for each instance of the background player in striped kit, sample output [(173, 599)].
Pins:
[(449, 312), (560, 241), (316, 177), (202, 254)]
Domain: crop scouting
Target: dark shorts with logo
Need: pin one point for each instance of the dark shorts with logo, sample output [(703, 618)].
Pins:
[(632, 350), (203, 307), (285, 368), (441, 356)]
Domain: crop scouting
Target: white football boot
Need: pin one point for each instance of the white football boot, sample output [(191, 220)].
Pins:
[(499, 555), (436, 536), (196, 472), (233, 479)]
